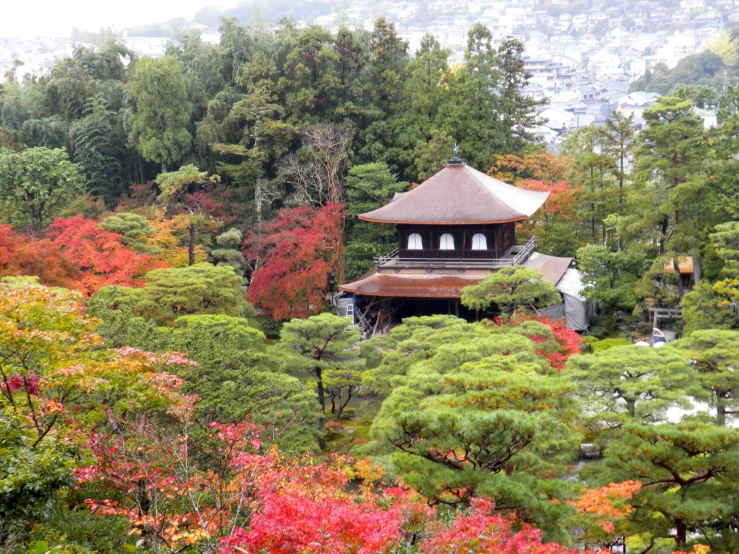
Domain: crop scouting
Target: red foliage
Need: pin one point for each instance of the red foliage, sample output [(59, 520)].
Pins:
[(254, 500), (27, 383), (483, 531), (295, 254), (8, 244), (140, 196), (21, 256), (217, 202), (99, 255), (568, 342)]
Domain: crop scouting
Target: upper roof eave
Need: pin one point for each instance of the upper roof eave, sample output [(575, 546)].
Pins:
[(364, 217)]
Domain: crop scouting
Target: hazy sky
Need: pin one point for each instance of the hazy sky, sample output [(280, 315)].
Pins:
[(32, 18)]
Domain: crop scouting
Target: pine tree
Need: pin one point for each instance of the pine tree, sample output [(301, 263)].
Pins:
[(228, 253), (632, 384), (511, 289), (689, 475), (715, 355), (670, 202), (476, 414), (134, 229), (517, 108), (319, 345)]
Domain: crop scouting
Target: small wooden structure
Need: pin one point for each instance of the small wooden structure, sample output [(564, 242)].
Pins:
[(655, 314)]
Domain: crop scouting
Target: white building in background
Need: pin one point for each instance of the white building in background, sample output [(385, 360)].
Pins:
[(604, 64), (707, 116), (635, 103), (692, 5), (580, 21), (554, 118)]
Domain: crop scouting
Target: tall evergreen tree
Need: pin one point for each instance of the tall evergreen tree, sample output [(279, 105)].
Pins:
[(97, 149), (368, 187), (618, 138), (161, 115), (517, 108), (671, 202)]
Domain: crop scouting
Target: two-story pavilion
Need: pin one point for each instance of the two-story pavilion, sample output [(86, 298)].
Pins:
[(453, 230)]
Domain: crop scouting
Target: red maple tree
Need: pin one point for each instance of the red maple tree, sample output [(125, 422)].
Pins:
[(100, 256), (557, 347), (542, 172), (27, 256), (293, 257), (252, 499)]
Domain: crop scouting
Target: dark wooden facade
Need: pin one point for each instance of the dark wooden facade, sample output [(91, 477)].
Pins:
[(500, 238)]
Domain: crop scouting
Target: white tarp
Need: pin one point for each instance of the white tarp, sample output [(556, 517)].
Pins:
[(553, 313), (577, 310)]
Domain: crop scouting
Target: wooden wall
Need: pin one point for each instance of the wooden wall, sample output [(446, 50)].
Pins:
[(500, 237)]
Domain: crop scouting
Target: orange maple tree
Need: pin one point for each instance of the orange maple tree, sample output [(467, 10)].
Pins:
[(602, 514), (100, 256), (21, 255), (541, 172)]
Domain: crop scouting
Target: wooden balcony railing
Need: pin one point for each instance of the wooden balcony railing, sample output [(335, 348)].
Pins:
[(517, 255)]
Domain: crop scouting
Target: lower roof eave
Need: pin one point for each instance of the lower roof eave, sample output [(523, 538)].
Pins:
[(445, 286), (383, 294)]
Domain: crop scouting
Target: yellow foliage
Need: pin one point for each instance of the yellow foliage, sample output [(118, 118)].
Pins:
[(171, 238), (726, 47)]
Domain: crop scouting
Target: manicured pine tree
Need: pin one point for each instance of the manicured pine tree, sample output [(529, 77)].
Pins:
[(320, 345), (482, 416), (715, 356), (632, 384), (133, 228), (511, 289), (690, 480)]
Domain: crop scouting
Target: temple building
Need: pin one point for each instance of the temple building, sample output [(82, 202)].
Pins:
[(453, 230)]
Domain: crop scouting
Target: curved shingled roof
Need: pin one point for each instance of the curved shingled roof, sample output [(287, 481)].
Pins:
[(459, 194)]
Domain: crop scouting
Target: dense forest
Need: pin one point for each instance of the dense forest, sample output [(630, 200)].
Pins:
[(173, 379)]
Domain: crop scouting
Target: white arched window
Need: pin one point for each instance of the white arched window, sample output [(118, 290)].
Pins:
[(446, 242), (479, 242), (415, 242)]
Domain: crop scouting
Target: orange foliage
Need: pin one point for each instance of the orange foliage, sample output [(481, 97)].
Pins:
[(541, 172), (697, 549), (42, 258), (100, 256), (603, 503)]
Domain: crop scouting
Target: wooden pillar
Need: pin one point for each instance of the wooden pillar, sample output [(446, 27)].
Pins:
[(380, 316)]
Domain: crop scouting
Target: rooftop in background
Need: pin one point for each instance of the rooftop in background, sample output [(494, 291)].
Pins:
[(459, 195)]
